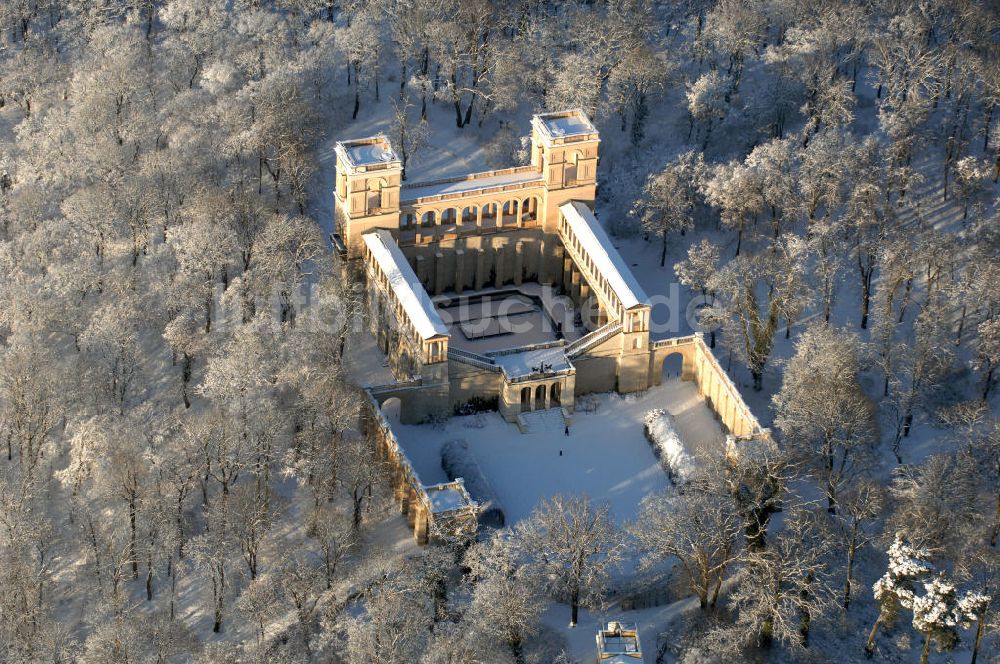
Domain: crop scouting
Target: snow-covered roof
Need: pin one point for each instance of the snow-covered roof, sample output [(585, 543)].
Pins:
[(412, 192), (367, 151), (531, 362), (445, 500), (448, 496), (606, 258), (405, 285), (564, 123), (618, 643)]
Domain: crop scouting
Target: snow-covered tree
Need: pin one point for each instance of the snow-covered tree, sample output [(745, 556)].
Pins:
[(753, 294), (505, 600), (696, 272), (897, 588), (861, 504), (736, 190), (668, 204), (394, 624), (940, 612), (574, 545), (699, 527), (937, 503), (825, 418), (782, 590), (708, 102)]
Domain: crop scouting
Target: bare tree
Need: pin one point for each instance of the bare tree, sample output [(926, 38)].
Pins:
[(756, 479), (861, 504), (782, 589), (696, 272), (394, 625), (410, 138), (670, 197), (754, 294), (29, 408), (699, 526), (575, 545), (505, 601)]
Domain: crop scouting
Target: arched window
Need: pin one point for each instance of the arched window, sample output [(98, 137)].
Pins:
[(376, 195), (554, 393), (429, 218)]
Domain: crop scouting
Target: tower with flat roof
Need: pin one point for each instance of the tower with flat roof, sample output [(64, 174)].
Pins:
[(369, 175), (564, 149)]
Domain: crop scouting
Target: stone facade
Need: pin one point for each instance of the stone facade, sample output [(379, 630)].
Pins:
[(501, 229)]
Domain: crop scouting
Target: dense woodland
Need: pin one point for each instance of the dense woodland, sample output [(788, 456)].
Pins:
[(183, 477)]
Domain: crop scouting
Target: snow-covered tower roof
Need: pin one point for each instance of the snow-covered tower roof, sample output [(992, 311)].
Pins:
[(564, 126), (363, 154)]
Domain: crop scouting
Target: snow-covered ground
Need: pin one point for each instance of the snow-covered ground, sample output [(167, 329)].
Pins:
[(606, 455)]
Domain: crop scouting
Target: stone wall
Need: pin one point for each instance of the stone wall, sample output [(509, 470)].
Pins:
[(407, 490), (717, 388)]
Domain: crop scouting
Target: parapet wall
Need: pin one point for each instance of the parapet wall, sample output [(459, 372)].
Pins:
[(714, 384), (408, 491)]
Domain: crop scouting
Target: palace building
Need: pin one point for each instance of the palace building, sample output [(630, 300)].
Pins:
[(501, 290)]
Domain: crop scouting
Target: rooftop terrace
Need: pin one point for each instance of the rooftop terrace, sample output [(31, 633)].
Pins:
[(564, 124), (374, 150)]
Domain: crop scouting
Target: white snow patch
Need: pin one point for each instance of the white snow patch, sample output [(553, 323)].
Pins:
[(606, 454), (667, 445)]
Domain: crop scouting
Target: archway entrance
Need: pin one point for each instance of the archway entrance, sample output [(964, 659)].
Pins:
[(392, 408), (525, 399), (673, 366), (554, 393), (540, 397)]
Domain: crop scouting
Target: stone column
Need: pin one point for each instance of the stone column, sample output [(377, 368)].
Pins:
[(459, 270), (439, 273), (404, 498), (421, 269), (420, 526), (498, 261), (519, 262), (481, 256)]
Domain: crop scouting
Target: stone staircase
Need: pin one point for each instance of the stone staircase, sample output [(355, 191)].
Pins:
[(549, 421)]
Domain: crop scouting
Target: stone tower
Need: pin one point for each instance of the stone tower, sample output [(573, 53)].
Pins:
[(369, 174), (564, 149)]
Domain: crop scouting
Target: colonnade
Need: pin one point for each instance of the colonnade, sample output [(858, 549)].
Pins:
[(429, 224)]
